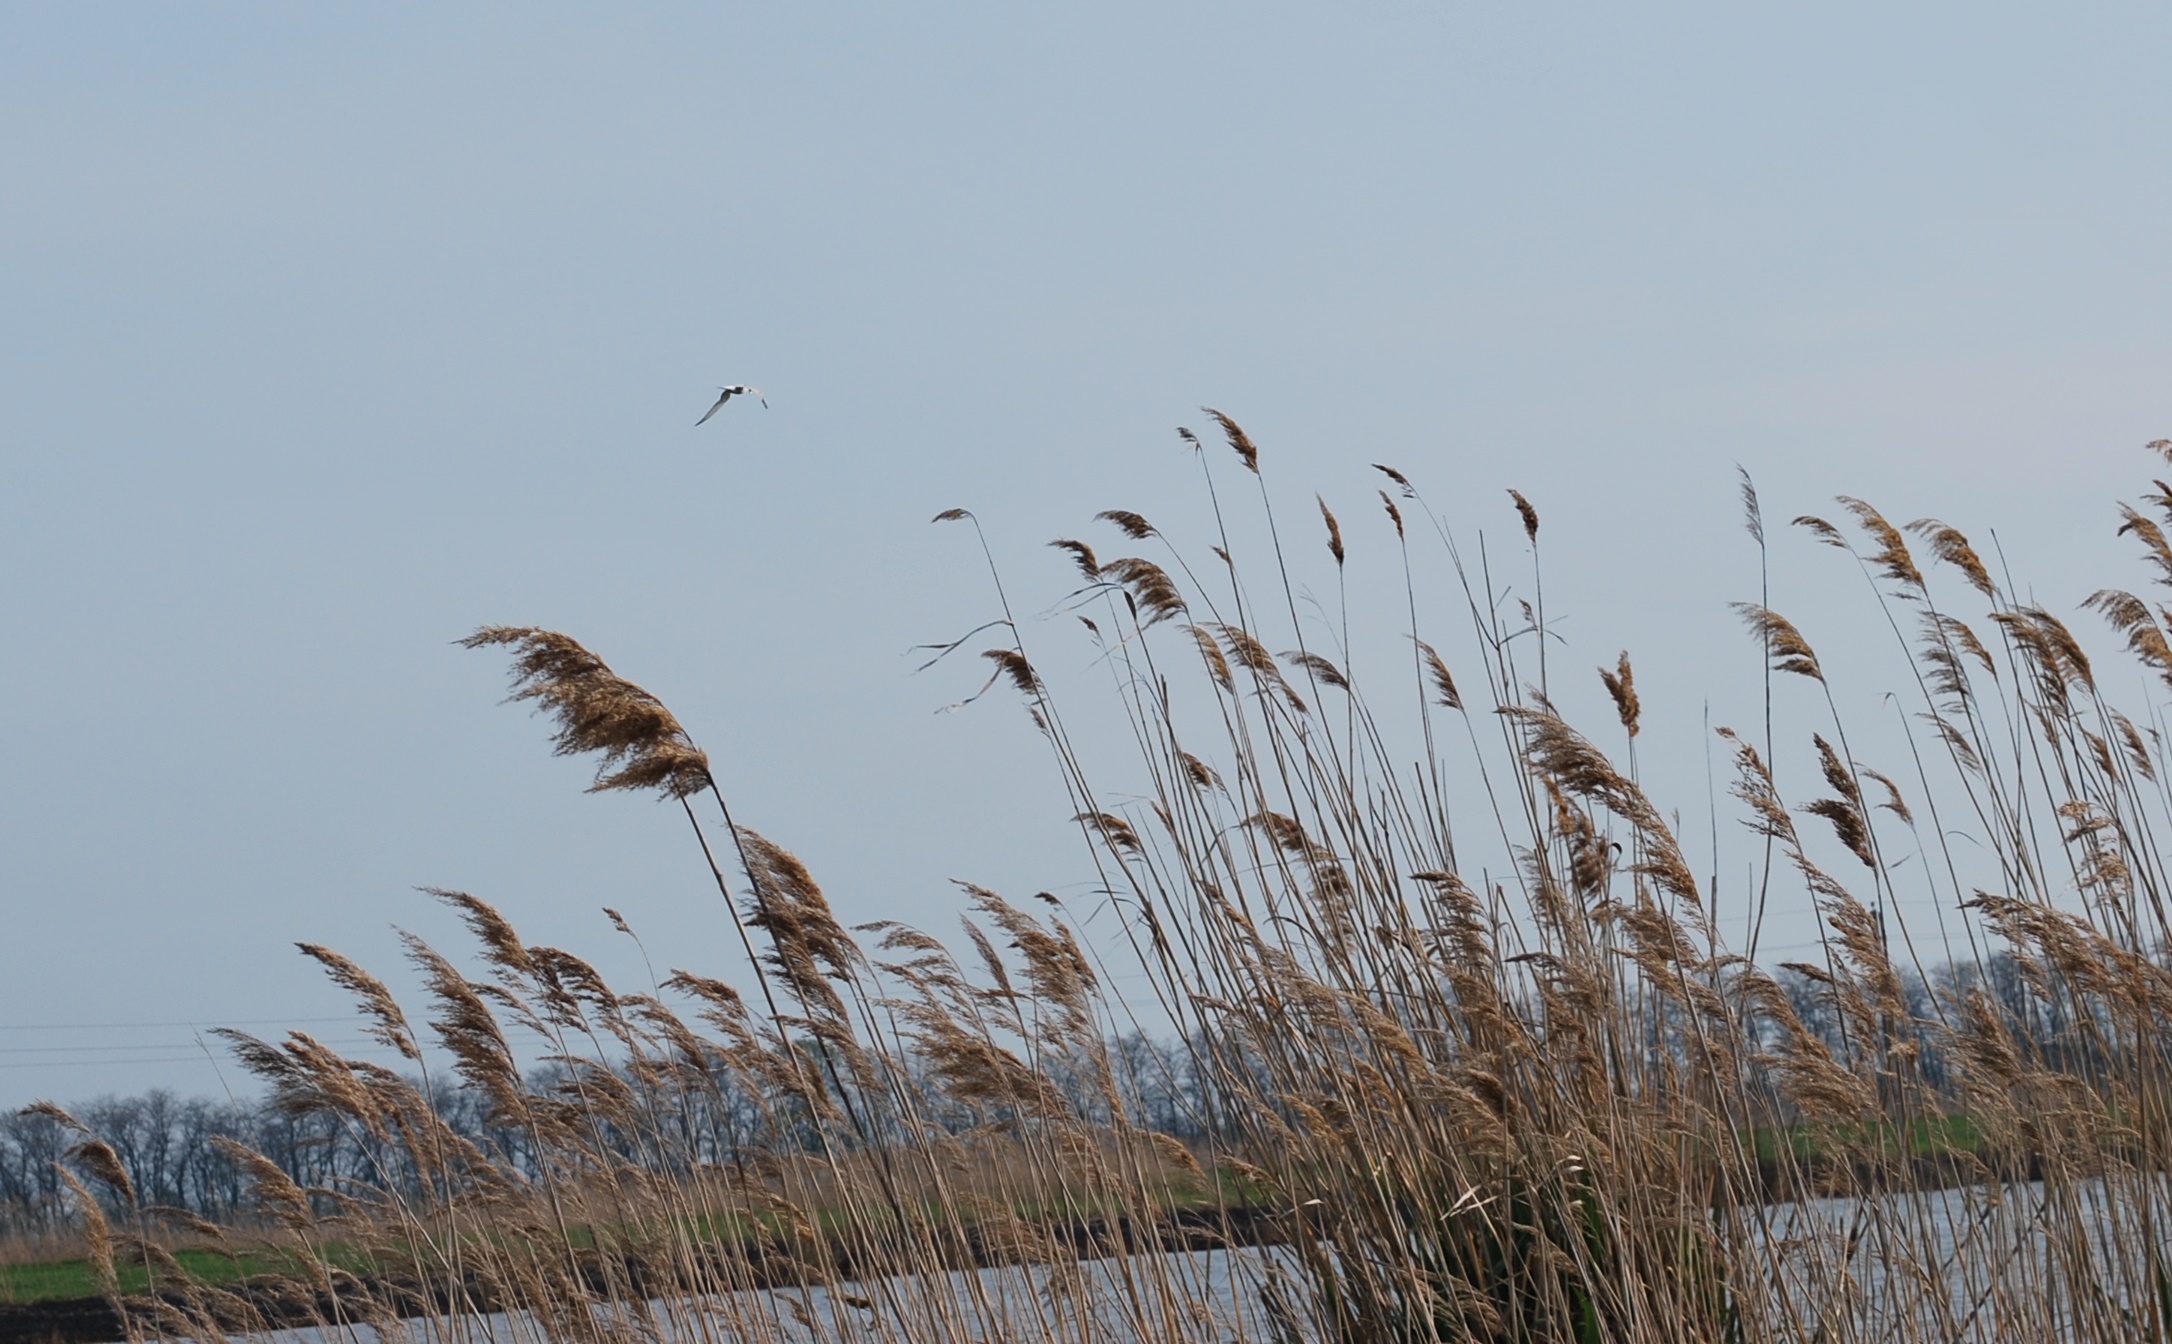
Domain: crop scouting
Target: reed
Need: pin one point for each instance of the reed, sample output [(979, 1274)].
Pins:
[(1548, 1102)]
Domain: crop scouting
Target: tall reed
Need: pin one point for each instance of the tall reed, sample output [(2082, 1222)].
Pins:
[(1555, 1105)]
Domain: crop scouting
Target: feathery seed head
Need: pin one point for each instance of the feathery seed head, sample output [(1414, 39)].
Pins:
[(1848, 824), (2131, 616), (1334, 530), (49, 1111), (1148, 584), (97, 1157), (1949, 545), (1238, 440), (1893, 803), (1444, 685), (1822, 530), (501, 945), (1248, 651), (1395, 515), (1211, 654), (1082, 554), (1319, 667), (1892, 556), (2152, 536), (1621, 685), (96, 1232), (2136, 751), (1113, 829), (1409, 491), (1201, 773), (1836, 773), (1010, 663), (1134, 527), (1527, 513), (1784, 644), (388, 1024), (285, 1200), (1753, 517), (640, 743)]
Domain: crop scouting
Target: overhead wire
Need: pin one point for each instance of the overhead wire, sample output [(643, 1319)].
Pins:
[(184, 1025)]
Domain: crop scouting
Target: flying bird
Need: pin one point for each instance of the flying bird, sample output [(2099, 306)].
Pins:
[(729, 392)]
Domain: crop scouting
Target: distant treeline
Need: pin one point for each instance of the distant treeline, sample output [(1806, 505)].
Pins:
[(170, 1146), (168, 1143)]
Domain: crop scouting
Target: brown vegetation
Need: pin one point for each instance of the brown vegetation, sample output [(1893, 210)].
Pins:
[(1555, 1106)]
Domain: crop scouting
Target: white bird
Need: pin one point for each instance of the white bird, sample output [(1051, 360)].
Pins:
[(741, 390)]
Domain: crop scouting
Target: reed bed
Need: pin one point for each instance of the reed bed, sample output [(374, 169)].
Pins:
[(1548, 1101)]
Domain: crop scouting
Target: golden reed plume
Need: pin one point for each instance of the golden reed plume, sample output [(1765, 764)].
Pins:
[(641, 743)]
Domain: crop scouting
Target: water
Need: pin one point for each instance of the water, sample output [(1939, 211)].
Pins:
[(1969, 1265), (1217, 1295)]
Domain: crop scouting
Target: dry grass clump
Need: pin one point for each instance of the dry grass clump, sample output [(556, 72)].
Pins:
[(1547, 1100)]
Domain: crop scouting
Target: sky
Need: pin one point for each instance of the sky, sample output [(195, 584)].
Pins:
[(328, 334)]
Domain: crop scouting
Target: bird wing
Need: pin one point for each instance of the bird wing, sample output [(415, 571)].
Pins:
[(714, 409)]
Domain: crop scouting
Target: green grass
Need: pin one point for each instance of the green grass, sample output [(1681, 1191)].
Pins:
[(1932, 1136), (57, 1279)]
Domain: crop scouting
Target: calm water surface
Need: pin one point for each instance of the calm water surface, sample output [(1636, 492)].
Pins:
[(1967, 1265)]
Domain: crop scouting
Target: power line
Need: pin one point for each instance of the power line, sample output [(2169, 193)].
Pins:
[(198, 1057), (111, 1063), (204, 1022), (140, 1045)]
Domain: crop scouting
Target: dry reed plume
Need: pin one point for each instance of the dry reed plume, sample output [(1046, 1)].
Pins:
[(1548, 1100)]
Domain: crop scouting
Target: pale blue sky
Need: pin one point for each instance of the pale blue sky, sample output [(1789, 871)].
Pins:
[(327, 334)]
